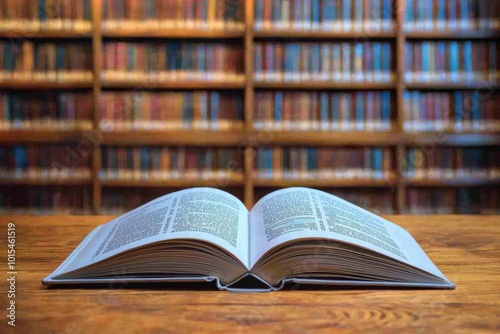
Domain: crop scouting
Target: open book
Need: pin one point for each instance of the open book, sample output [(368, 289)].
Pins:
[(297, 235)]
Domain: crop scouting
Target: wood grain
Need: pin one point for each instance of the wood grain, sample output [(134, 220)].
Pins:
[(465, 248)]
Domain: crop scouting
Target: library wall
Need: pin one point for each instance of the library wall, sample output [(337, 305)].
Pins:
[(390, 104)]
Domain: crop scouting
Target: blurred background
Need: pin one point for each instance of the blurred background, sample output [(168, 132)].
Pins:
[(390, 104)]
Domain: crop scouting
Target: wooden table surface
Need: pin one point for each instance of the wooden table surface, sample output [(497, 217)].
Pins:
[(465, 248)]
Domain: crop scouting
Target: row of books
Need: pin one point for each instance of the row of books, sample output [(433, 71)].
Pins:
[(173, 110), (46, 200), (348, 61), (454, 61), (276, 62), (161, 14), (42, 110), (120, 200), (164, 163), (33, 15), (378, 201), (296, 163), (423, 201), (117, 201), (325, 111), (44, 162), (459, 111), (450, 162), (173, 60), (45, 61), (442, 15), (325, 15), (77, 200)]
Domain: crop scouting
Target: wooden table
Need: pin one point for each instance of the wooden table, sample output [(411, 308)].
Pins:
[(465, 248)]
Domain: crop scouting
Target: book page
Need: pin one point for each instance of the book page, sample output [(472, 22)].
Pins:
[(295, 213), (206, 214)]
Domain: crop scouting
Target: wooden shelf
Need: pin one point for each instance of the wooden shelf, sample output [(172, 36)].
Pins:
[(233, 180), (324, 183), (308, 85), (188, 138), (46, 33), (30, 84), (452, 85), (46, 182), (458, 182), (254, 138), (452, 139), (173, 33), (457, 34), (46, 136), (318, 138), (309, 34), (172, 84)]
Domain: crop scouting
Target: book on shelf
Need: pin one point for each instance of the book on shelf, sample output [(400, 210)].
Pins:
[(173, 60), (377, 201), (46, 62), (207, 235), (48, 162), (120, 200), (324, 15), (323, 111), (173, 110), (324, 163), (12, 59), (174, 14), (451, 15), (452, 61), (33, 15), (367, 62), (170, 163), (45, 111), (425, 201), (457, 111), (45, 200), (443, 163)]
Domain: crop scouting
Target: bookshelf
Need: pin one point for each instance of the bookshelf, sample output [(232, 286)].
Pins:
[(247, 140)]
